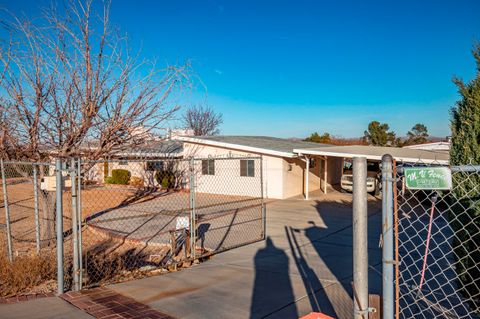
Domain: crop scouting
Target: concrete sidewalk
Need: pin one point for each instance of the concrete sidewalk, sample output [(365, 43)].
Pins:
[(305, 265), (44, 308)]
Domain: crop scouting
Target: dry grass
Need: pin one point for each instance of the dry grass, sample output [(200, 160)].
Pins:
[(106, 260), (26, 274)]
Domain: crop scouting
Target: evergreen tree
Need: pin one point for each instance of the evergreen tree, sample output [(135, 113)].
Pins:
[(418, 135), (377, 134), (465, 122)]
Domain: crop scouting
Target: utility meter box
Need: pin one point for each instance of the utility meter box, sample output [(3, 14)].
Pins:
[(49, 183)]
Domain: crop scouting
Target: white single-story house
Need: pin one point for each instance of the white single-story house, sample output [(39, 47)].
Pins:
[(289, 167), (286, 162), (285, 173)]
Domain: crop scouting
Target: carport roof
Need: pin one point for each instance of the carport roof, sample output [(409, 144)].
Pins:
[(255, 144), (376, 153)]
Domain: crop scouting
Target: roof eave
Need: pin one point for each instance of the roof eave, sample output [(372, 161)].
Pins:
[(236, 147), (373, 157)]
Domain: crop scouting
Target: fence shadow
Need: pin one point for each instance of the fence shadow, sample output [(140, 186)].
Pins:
[(317, 297), (267, 281)]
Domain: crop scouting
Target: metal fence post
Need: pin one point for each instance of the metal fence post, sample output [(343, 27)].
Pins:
[(264, 209), (360, 238), (59, 224), (7, 212), (80, 221), (387, 236), (73, 178), (192, 209), (35, 206)]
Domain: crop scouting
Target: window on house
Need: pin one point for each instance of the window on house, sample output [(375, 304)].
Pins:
[(247, 168), (313, 163), (122, 162), (155, 166), (208, 167)]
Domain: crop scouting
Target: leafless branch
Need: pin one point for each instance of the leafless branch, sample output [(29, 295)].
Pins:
[(202, 120), (71, 86)]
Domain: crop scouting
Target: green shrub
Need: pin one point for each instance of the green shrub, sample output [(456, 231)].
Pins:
[(166, 179), (119, 176)]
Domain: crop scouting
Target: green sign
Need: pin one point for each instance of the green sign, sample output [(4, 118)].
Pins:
[(428, 178)]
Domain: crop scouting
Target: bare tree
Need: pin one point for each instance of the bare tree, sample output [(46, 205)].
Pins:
[(202, 120), (71, 86)]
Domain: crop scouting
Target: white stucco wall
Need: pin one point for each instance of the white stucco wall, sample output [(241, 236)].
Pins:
[(294, 175)]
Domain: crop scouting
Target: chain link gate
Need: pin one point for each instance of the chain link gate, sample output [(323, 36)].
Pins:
[(436, 246), (146, 216)]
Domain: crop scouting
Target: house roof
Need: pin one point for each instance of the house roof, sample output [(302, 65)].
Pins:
[(255, 144), (434, 146), (167, 148), (376, 153)]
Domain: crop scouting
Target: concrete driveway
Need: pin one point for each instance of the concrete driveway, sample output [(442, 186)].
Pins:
[(304, 265)]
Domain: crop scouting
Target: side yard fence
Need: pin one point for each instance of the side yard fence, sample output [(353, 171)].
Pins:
[(78, 223), (431, 238)]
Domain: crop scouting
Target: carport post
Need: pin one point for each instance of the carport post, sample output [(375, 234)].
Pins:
[(325, 175), (387, 235), (307, 172), (59, 224), (360, 239)]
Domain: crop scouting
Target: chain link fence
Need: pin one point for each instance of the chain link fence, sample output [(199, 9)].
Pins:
[(148, 215), (438, 246), (122, 219), (28, 220)]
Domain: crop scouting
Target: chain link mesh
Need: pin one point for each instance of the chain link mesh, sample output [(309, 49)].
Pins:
[(19, 181), (229, 203), (139, 214), (28, 222), (449, 221)]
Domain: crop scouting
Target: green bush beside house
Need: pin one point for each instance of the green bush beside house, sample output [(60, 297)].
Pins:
[(119, 176)]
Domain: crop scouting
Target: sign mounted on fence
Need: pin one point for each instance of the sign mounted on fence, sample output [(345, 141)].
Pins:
[(428, 178)]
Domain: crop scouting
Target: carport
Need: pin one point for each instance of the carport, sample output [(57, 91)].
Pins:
[(405, 155)]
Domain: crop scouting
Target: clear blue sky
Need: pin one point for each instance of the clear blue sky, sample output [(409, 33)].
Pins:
[(288, 68)]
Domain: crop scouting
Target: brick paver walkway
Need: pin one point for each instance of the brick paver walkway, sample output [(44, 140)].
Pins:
[(106, 304)]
